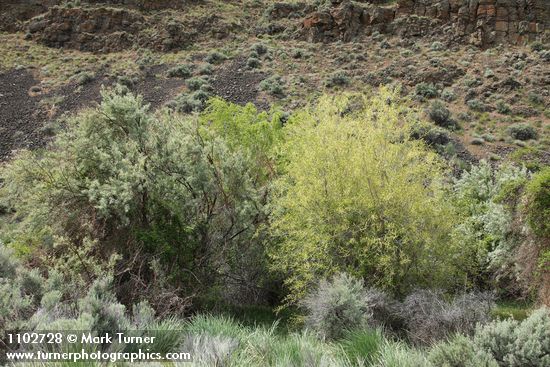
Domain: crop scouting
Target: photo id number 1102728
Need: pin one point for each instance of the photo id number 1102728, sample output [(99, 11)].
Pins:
[(35, 338)]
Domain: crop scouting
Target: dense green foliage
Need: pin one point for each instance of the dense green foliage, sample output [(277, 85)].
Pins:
[(359, 195), (119, 179), (538, 206)]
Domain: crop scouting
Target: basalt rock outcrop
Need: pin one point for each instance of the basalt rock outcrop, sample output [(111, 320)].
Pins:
[(87, 29), (147, 4), (109, 29), (485, 22), (480, 22), (12, 12), (345, 21)]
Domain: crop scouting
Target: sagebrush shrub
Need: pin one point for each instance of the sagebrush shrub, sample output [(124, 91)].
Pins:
[(215, 58), (459, 351), (273, 85), (497, 339), (433, 136), (180, 71), (259, 48), (253, 62), (206, 69), (440, 115), (100, 302), (532, 341), (195, 83), (426, 90), (485, 233), (335, 306), (522, 131), (20, 291), (503, 107), (84, 77), (437, 46), (476, 105), (8, 263), (337, 79), (187, 103), (15, 307), (448, 95)]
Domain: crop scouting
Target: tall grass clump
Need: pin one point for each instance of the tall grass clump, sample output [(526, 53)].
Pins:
[(361, 346)]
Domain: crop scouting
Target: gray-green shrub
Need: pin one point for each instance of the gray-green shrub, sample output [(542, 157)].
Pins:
[(532, 341), (497, 339), (215, 58), (337, 79), (459, 351), (253, 62), (441, 115), (522, 131), (195, 83), (273, 85), (180, 71), (503, 107), (426, 90), (517, 344), (335, 306), (259, 48)]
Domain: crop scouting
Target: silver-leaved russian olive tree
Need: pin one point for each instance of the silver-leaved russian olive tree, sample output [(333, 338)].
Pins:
[(120, 179)]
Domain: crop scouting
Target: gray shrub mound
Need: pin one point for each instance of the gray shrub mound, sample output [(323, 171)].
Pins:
[(423, 317)]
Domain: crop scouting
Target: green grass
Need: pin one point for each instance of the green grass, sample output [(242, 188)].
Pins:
[(518, 310), (361, 347)]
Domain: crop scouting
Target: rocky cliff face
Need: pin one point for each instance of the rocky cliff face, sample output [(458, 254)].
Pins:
[(14, 11), (147, 4), (480, 22), (87, 29), (108, 29), (485, 22)]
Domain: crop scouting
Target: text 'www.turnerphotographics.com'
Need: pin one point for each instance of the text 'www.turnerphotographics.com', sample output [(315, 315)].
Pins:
[(78, 346)]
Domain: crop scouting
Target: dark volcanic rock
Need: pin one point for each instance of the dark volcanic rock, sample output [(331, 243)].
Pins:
[(87, 29), (485, 22), (12, 12), (235, 83), (20, 119), (479, 22)]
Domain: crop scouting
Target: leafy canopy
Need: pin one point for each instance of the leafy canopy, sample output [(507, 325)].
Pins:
[(359, 195)]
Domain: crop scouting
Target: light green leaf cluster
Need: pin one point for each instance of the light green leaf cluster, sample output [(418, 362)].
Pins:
[(359, 195)]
